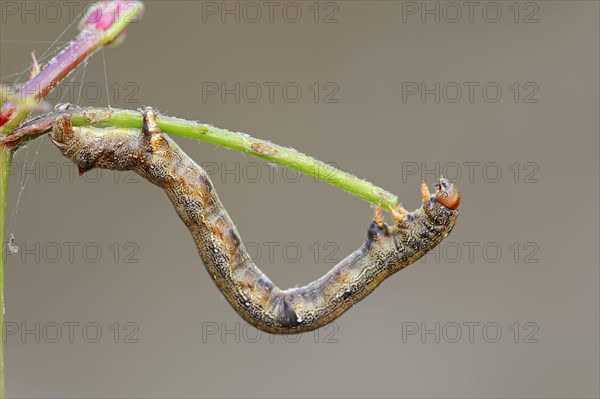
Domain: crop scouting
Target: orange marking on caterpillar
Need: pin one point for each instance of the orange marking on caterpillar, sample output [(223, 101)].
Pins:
[(448, 195)]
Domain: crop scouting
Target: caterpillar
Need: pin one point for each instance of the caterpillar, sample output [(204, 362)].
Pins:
[(155, 157)]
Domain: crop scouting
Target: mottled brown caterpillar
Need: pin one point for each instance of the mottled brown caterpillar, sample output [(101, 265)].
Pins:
[(158, 159)]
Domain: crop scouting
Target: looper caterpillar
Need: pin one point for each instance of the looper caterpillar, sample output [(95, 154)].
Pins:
[(158, 159)]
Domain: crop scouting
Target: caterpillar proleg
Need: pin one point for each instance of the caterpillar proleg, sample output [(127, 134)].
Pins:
[(386, 250)]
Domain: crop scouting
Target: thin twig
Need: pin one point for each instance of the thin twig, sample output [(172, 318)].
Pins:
[(94, 116)]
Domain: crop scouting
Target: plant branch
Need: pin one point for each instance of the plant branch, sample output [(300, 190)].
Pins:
[(5, 160), (214, 135), (103, 24)]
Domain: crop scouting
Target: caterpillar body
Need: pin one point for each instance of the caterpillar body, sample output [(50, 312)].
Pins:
[(155, 157)]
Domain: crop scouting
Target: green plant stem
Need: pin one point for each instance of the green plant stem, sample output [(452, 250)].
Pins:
[(221, 137), (5, 160)]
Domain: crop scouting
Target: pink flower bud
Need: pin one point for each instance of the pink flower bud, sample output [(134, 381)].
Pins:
[(103, 14)]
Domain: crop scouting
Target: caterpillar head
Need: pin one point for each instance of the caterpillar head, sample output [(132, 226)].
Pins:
[(447, 194), (442, 206)]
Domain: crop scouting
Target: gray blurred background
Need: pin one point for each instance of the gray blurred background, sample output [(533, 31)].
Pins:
[(107, 296)]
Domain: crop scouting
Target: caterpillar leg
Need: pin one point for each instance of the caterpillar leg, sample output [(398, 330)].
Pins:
[(378, 217), (425, 194), (151, 136), (399, 214), (149, 125)]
